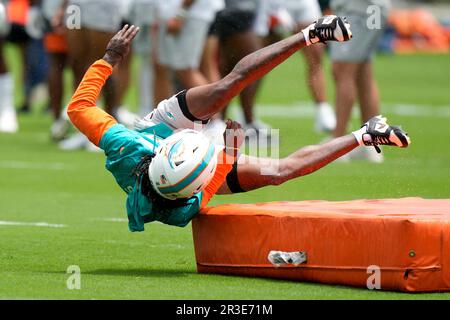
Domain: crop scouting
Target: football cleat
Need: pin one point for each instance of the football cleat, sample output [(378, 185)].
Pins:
[(328, 28), (378, 132)]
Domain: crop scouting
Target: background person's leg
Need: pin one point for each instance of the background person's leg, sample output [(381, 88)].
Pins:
[(316, 76), (305, 12), (209, 64), (78, 53), (60, 125), (123, 77), (346, 90), (97, 42), (247, 43), (369, 103), (190, 78), (325, 115), (55, 82), (163, 83), (369, 98)]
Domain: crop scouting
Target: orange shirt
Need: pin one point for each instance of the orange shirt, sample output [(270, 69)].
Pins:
[(17, 11)]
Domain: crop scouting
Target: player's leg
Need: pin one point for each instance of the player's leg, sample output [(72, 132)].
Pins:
[(208, 100), (251, 173), (199, 104)]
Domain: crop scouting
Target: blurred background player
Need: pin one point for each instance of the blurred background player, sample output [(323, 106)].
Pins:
[(25, 32), (8, 117), (100, 19), (144, 14), (57, 50), (304, 12), (352, 66), (279, 18), (183, 29), (235, 29)]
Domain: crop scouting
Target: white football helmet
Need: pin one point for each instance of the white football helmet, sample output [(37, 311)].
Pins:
[(183, 165)]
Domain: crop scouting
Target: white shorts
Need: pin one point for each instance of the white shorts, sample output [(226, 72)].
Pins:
[(184, 50), (174, 113), (364, 44), (304, 11), (143, 13), (100, 15)]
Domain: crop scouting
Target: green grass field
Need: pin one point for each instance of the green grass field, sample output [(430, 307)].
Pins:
[(40, 183)]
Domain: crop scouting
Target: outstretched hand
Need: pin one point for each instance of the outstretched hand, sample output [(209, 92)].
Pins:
[(119, 46)]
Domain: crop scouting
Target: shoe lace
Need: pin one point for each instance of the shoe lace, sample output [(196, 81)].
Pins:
[(375, 141), (381, 140), (325, 33)]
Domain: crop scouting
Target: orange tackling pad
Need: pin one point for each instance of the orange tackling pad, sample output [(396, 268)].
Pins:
[(409, 239)]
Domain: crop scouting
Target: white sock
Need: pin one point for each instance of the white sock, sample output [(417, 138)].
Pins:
[(6, 91), (323, 105), (306, 35), (358, 134)]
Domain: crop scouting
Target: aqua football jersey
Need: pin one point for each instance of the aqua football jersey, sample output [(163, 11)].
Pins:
[(124, 150)]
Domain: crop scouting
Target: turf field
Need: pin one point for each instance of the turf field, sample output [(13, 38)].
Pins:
[(85, 214)]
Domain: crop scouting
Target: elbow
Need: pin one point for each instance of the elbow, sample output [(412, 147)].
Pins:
[(71, 111)]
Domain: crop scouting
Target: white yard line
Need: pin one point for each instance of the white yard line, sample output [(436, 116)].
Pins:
[(31, 224), (33, 165), (114, 219)]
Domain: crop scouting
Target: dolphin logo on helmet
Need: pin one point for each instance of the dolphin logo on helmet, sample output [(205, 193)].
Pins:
[(183, 165)]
